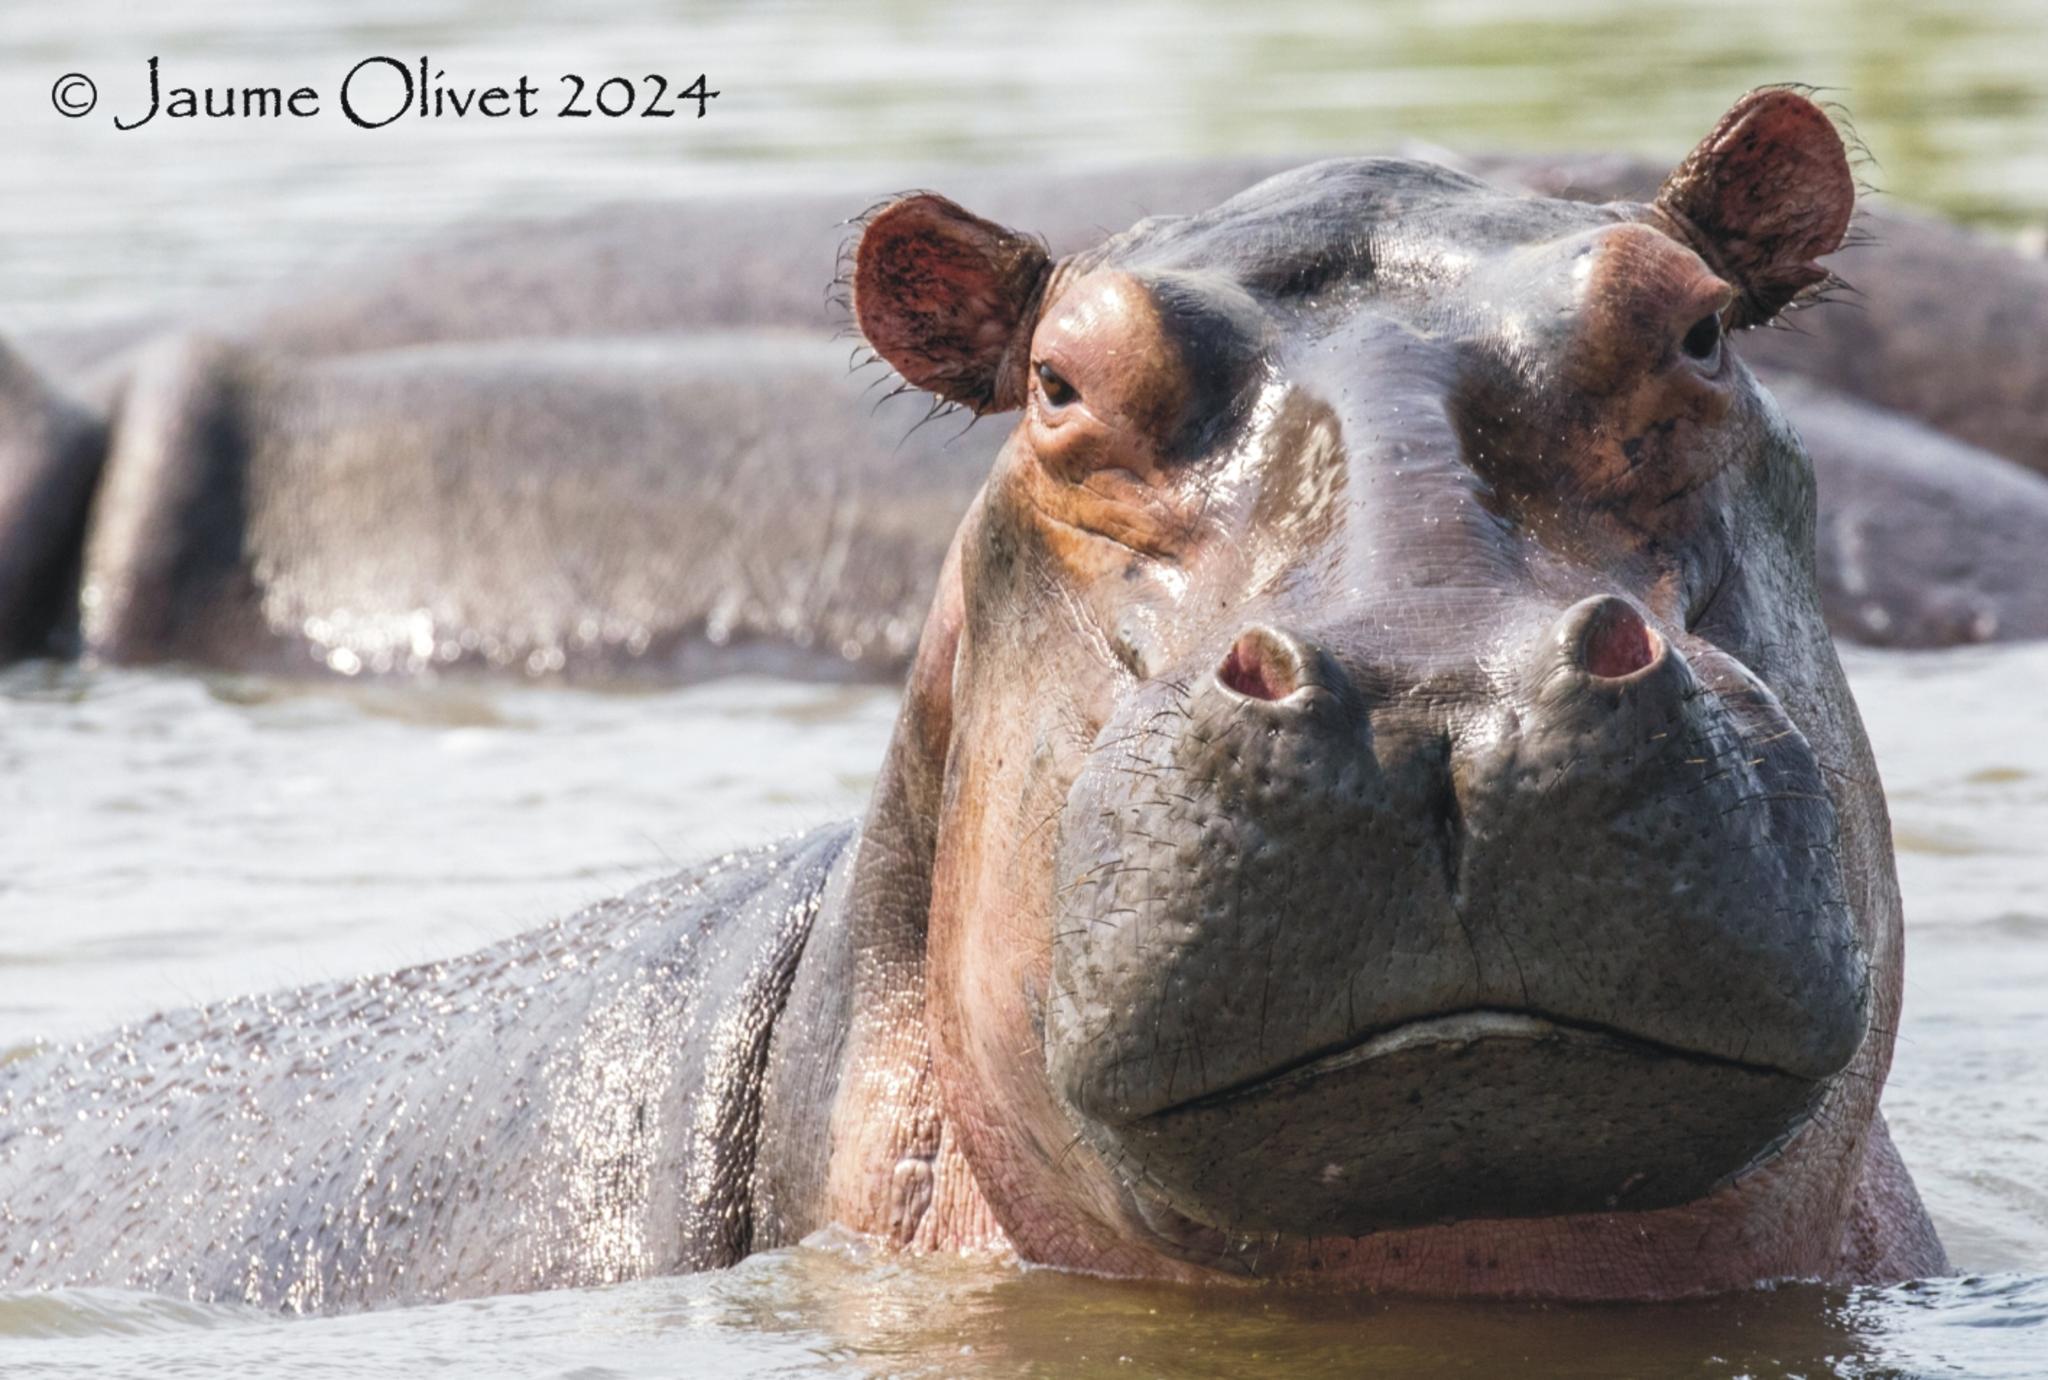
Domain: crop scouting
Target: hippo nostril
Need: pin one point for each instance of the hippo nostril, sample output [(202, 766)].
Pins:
[(1260, 666), (1617, 642)]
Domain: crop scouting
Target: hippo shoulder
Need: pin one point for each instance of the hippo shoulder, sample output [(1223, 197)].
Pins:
[(576, 1105)]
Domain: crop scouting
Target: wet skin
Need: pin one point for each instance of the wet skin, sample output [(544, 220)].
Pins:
[(1936, 331), (1375, 804)]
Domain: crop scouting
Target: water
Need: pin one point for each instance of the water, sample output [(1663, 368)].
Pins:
[(828, 1311), (167, 838), (171, 838), (1952, 100)]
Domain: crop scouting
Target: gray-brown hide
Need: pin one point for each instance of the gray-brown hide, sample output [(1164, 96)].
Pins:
[(50, 451), (1937, 331), (1926, 541)]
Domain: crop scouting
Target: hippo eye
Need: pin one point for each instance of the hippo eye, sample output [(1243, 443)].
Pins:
[(1058, 392), (1703, 339)]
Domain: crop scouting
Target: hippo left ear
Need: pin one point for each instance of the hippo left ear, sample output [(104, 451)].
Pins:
[(1762, 197), (949, 299)]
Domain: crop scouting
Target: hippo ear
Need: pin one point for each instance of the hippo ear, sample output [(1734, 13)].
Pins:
[(1762, 197), (949, 299)]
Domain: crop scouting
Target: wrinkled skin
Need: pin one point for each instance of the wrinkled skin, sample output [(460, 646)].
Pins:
[(1935, 331), (1375, 804)]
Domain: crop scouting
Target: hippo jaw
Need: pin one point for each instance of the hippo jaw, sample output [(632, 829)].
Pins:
[(1393, 805), (1476, 1114)]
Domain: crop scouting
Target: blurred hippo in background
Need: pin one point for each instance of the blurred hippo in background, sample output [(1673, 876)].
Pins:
[(1375, 804), (659, 507), (244, 523), (301, 486)]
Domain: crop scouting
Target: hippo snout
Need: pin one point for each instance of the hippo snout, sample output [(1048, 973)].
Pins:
[(1348, 943)]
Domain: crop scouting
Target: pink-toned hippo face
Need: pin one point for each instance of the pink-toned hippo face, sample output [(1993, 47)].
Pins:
[(1388, 781)]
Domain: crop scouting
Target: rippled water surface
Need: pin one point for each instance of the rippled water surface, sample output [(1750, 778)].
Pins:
[(167, 838), (170, 838)]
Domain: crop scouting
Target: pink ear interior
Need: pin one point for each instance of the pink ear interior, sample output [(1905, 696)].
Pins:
[(943, 296), (1765, 194)]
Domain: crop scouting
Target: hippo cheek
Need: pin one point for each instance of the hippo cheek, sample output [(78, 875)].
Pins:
[(1319, 971)]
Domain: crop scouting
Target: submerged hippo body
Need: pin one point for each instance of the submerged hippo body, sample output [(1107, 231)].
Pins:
[(576, 1106), (1938, 333), (1375, 802), (1928, 542), (50, 452), (649, 506)]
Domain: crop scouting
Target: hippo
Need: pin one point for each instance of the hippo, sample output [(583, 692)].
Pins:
[(327, 584), (50, 450), (719, 505), (642, 506), (1375, 804)]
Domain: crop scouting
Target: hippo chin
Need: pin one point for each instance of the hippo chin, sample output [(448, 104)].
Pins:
[(1375, 802)]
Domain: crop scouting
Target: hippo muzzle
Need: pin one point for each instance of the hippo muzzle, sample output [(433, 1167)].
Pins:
[(1340, 949)]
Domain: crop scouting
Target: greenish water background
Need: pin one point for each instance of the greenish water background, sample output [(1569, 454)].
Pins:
[(1952, 101)]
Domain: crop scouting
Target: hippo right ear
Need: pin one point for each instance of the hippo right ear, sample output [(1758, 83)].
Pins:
[(1763, 196), (949, 300)]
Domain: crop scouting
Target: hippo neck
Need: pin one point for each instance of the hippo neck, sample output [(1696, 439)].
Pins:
[(853, 1133)]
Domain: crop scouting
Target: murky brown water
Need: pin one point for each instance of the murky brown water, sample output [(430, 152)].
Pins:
[(166, 838)]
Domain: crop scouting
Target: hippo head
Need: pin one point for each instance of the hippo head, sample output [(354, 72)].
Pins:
[(1387, 770)]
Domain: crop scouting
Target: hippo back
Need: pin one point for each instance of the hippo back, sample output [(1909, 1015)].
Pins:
[(576, 1105)]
